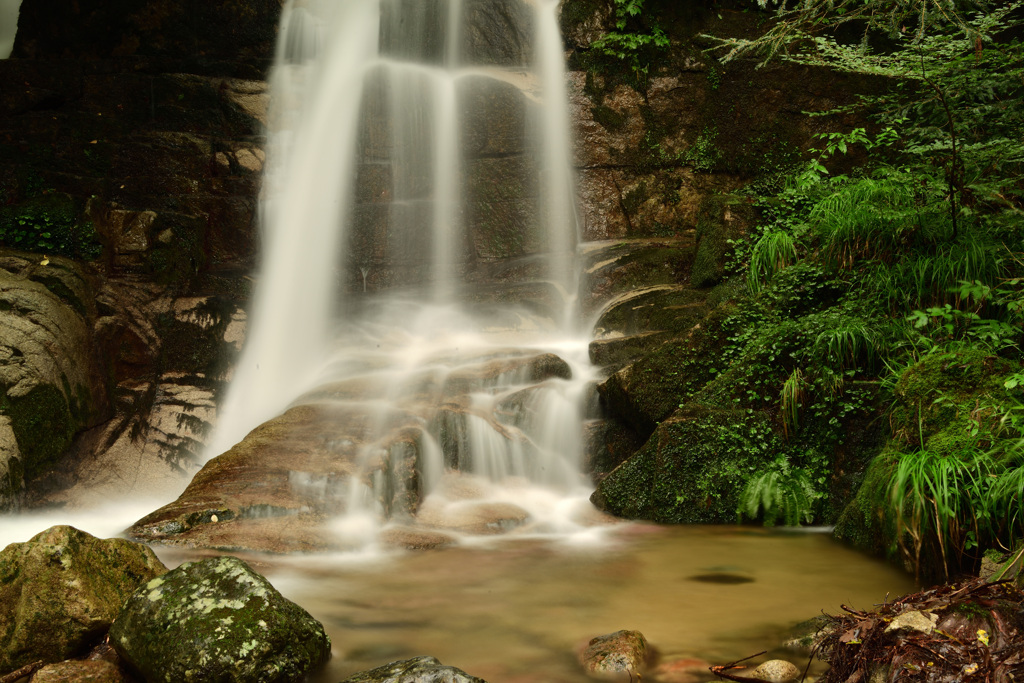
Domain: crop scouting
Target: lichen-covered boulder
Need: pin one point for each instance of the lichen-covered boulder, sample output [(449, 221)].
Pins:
[(60, 591), (217, 620), (416, 670)]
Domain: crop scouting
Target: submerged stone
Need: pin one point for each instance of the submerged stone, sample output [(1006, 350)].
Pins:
[(60, 591), (776, 671), (217, 620), (616, 656), (724, 578), (416, 670)]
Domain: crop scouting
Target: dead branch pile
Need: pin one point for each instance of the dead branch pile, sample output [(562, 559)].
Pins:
[(972, 631)]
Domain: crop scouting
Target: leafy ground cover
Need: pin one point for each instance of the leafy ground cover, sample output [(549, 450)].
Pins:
[(892, 293)]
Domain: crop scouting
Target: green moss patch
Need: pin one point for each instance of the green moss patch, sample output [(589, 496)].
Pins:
[(692, 469), (43, 425)]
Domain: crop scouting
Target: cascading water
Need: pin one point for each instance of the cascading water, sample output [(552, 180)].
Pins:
[(418, 273)]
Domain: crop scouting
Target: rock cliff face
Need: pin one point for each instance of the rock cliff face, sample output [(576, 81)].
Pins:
[(227, 38), (131, 141), (49, 373), (131, 133)]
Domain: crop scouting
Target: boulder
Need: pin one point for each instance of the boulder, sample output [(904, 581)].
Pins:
[(650, 389), (474, 517), (619, 656), (271, 491), (665, 375), (505, 371), (674, 308), (606, 445), (721, 219), (217, 620), (692, 469), (498, 33), (417, 670), (412, 538), (60, 591), (614, 268), (615, 352)]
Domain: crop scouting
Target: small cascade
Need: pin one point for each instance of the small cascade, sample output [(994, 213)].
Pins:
[(418, 278)]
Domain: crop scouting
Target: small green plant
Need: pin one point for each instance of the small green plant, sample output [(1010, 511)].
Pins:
[(848, 343), (783, 494), (48, 224), (631, 41), (703, 154), (714, 78), (773, 252), (792, 397)]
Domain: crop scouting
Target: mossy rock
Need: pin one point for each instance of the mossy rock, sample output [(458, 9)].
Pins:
[(50, 381), (935, 396), (692, 469), (866, 522), (43, 425), (648, 390), (12, 473), (615, 352), (999, 565), (217, 621), (631, 265), (720, 220), (675, 309), (60, 591), (607, 444)]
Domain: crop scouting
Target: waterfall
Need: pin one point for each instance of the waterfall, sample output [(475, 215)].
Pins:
[(418, 242)]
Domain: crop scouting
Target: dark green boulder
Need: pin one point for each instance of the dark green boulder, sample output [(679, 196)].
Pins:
[(60, 591), (217, 621)]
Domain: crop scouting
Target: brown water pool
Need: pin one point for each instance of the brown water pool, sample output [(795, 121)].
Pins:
[(517, 610)]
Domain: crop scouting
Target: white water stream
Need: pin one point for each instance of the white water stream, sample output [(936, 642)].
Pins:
[(371, 117)]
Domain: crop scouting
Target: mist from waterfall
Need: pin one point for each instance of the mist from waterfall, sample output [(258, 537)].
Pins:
[(375, 268)]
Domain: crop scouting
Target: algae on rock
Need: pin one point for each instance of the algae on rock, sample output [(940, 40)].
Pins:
[(692, 469)]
